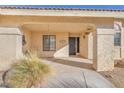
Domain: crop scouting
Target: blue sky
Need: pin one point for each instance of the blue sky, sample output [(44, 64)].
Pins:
[(117, 7)]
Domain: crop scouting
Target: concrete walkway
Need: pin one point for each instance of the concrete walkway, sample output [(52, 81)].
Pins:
[(74, 73)]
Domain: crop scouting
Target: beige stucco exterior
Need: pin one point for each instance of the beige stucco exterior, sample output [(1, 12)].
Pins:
[(61, 48), (104, 55), (62, 43), (10, 47), (95, 30)]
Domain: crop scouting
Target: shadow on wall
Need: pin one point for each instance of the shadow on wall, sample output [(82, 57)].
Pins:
[(62, 52), (72, 63)]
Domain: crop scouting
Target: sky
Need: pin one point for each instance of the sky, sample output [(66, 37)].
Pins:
[(115, 7)]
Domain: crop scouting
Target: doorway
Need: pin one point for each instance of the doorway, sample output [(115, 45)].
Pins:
[(74, 43)]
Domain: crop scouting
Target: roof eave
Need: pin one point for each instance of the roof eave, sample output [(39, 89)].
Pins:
[(56, 12)]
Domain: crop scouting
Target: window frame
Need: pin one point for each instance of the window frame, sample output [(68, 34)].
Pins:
[(23, 40), (49, 46), (117, 44)]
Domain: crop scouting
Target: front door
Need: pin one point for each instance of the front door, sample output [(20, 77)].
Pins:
[(72, 46)]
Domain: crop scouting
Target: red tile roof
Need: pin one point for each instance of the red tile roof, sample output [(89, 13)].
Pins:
[(81, 9)]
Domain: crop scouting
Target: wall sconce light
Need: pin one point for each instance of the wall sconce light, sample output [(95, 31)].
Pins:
[(89, 28), (87, 33), (84, 36)]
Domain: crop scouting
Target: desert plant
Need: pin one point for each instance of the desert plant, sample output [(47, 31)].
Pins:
[(28, 72)]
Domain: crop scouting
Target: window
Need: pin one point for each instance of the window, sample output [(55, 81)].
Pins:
[(49, 43), (117, 39)]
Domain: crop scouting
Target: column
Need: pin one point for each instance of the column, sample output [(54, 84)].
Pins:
[(10, 46), (103, 49)]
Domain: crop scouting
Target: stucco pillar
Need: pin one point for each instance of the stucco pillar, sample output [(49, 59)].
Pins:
[(10, 46), (103, 49)]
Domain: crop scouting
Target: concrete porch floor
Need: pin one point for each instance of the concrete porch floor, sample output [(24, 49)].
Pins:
[(74, 72)]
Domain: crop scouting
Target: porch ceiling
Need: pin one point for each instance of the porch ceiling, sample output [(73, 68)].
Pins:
[(60, 27)]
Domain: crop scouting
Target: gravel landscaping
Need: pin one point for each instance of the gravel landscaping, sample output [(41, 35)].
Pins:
[(116, 76)]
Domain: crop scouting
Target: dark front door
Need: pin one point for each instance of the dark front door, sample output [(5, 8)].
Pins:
[(72, 46)]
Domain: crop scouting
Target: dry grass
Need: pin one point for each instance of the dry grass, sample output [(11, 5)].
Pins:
[(28, 72)]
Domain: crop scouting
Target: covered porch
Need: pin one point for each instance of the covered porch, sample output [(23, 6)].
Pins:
[(59, 39), (92, 37)]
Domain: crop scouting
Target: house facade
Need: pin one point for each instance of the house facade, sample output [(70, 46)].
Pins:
[(94, 34)]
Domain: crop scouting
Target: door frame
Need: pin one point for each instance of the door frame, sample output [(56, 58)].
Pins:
[(77, 45)]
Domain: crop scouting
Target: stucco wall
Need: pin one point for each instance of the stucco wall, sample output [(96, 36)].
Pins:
[(90, 46), (27, 34), (84, 46), (14, 20), (117, 52), (104, 49), (62, 46), (34, 41), (10, 46)]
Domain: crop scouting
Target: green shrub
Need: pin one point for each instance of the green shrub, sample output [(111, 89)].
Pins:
[(29, 72)]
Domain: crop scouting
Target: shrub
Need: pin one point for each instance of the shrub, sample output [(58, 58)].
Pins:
[(28, 72)]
